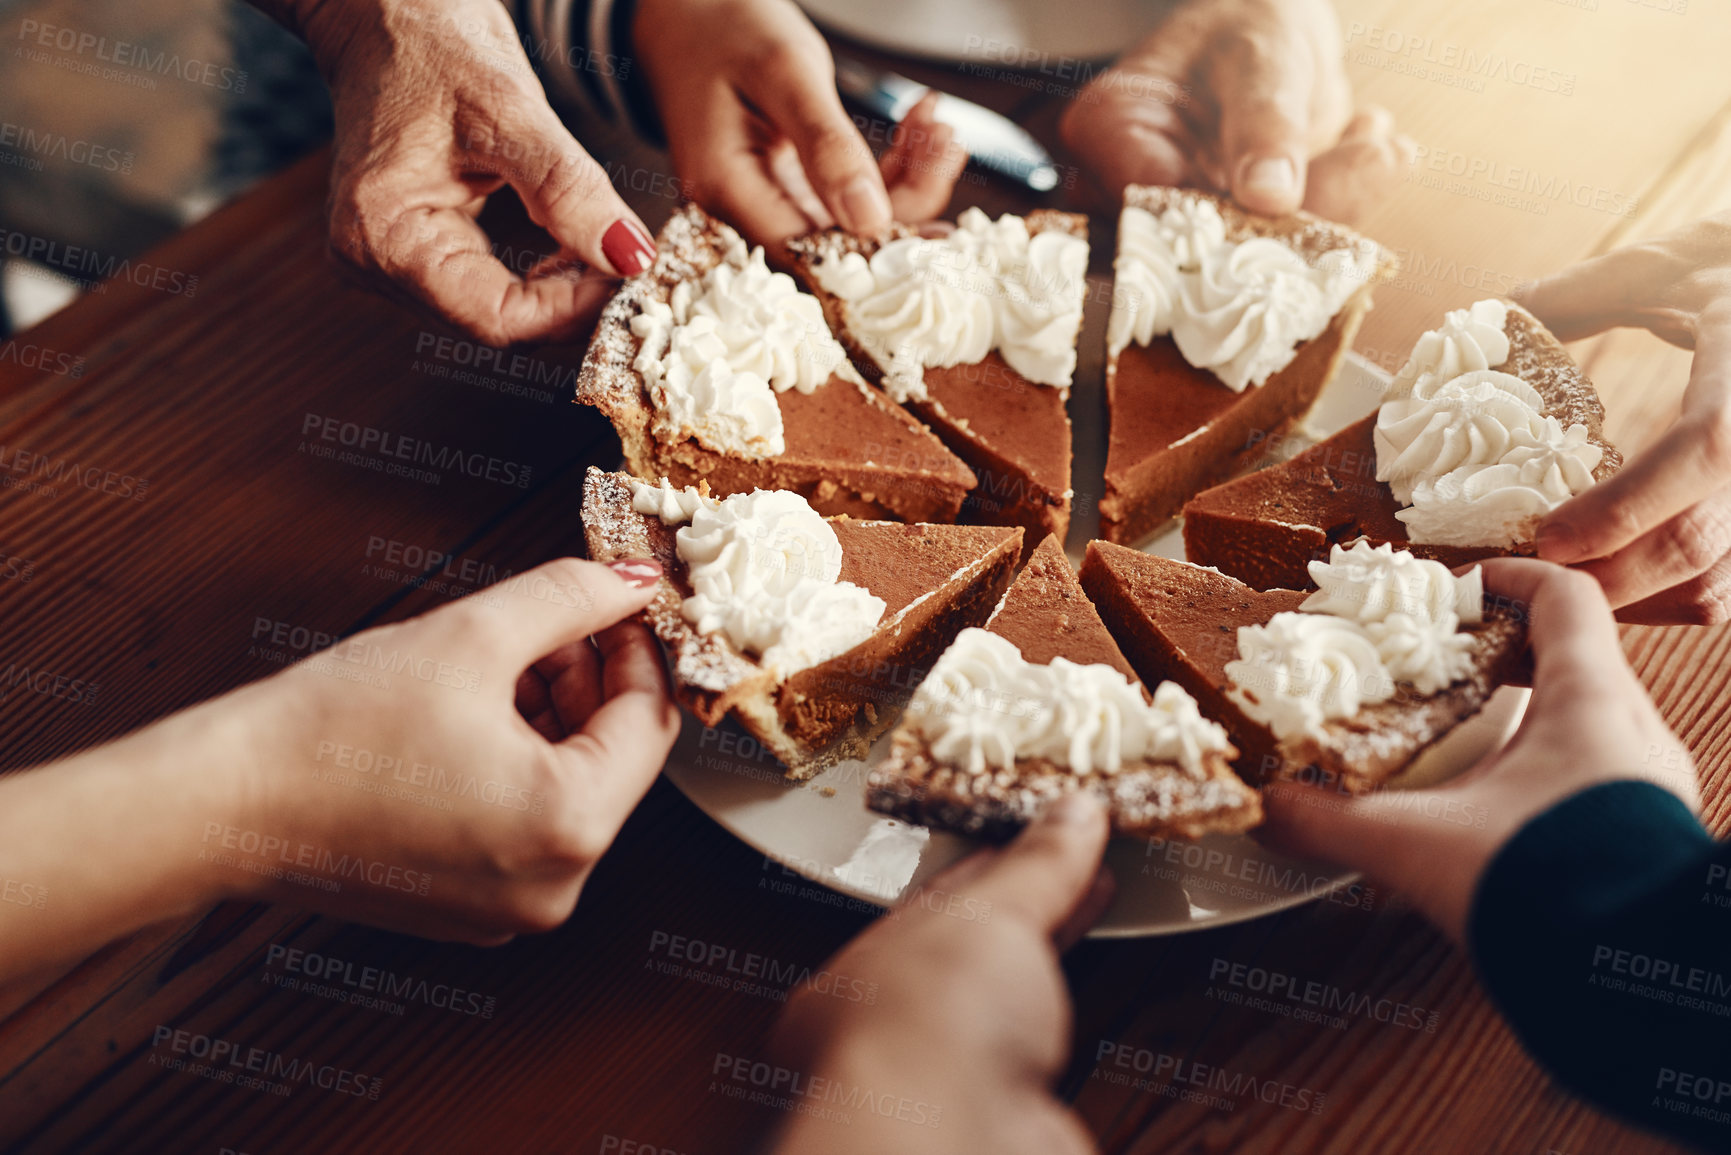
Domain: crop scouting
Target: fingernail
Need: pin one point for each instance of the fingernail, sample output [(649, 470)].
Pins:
[(1078, 808), (627, 247), (1274, 175), (866, 204), (637, 571), (1558, 543)]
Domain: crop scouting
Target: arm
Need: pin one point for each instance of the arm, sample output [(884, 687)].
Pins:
[(1598, 933), (1574, 842), (455, 776)]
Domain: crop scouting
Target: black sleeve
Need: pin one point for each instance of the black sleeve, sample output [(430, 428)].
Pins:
[(1602, 931), (582, 50)]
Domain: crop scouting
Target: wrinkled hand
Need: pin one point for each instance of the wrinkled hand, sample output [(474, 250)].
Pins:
[(1589, 721), (1246, 97), (746, 93), (971, 1022), (477, 760), (437, 108), (1657, 535)]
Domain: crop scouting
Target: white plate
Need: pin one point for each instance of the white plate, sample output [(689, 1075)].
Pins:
[(822, 830)]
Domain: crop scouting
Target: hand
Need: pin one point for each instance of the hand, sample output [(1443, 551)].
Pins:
[(1246, 97), (1589, 721), (454, 776), (517, 728), (746, 92), (437, 108), (971, 1022), (1657, 534)]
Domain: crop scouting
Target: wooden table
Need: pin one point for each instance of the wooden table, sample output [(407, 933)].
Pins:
[(159, 601)]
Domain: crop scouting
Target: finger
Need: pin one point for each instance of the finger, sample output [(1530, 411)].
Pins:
[(1266, 84), (923, 163), (731, 175), (538, 611), (1088, 911), (1690, 462), (1703, 601), (564, 190), (532, 697), (1577, 653), (1679, 550), (1122, 140), (1044, 875), (1355, 176), (796, 91), (622, 745), (1603, 292), (576, 689), (442, 259), (1314, 822)]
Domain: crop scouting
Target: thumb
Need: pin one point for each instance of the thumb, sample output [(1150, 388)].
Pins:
[(1265, 97), (564, 190), (529, 615), (1047, 872)]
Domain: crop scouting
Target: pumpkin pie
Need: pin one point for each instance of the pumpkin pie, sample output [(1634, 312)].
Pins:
[(1439, 448), (1324, 686), (975, 332), (810, 631), (1042, 703), (711, 366), (1225, 327)]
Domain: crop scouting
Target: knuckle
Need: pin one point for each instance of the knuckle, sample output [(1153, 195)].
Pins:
[(1696, 538), (1710, 605), (572, 177)]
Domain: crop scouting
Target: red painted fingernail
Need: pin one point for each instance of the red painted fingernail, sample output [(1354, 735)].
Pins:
[(627, 247), (637, 571)]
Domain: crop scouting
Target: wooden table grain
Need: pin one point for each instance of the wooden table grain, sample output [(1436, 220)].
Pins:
[(242, 535)]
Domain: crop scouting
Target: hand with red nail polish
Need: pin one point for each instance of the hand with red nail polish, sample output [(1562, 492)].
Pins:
[(437, 108), (746, 92), (470, 766), (1657, 534), (1244, 97), (961, 1009)]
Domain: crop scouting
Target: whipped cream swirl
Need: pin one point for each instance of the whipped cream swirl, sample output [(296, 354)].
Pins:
[(983, 706), (1237, 308), (672, 506), (1468, 339), (933, 302), (716, 353), (1469, 449), (763, 569), (1379, 617)]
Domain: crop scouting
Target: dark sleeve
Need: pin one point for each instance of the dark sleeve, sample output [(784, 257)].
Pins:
[(582, 50), (1602, 931)]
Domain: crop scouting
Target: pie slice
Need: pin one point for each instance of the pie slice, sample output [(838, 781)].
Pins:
[(1266, 527), (712, 367), (1183, 621), (976, 333), (1225, 327), (928, 779), (863, 608)]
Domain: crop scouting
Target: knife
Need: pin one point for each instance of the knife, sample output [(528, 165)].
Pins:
[(993, 141)]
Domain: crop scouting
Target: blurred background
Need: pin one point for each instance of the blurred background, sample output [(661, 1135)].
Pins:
[(122, 121)]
